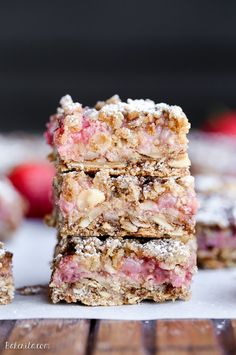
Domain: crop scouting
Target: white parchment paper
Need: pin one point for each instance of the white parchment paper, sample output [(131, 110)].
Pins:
[(214, 292)]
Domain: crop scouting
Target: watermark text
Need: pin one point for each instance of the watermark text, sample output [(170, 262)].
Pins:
[(26, 346)]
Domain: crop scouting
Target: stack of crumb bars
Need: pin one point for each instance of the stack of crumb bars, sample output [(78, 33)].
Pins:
[(124, 203)]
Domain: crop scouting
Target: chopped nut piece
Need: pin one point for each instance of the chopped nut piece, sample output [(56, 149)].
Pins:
[(84, 222), (159, 219), (128, 226), (95, 197), (90, 198), (180, 163)]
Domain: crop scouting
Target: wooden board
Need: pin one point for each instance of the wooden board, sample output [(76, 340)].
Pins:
[(100, 337)]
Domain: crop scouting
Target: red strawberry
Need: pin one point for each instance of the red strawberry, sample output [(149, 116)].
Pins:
[(224, 123), (34, 182)]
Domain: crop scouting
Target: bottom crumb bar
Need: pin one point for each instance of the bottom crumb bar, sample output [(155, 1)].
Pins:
[(6, 278), (116, 271)]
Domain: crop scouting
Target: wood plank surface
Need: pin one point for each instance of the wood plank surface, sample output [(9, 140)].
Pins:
[(186, 337), (50, 336), (164, 337), (118, 338)]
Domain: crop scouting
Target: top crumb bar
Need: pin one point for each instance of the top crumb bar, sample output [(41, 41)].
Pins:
[(137, 137)]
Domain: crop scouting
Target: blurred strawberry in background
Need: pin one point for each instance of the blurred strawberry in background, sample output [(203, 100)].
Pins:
[(34, 182), (224, 123)]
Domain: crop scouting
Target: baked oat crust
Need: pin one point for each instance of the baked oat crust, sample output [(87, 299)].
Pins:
[(6, 278), (159, 167), (91, 293)]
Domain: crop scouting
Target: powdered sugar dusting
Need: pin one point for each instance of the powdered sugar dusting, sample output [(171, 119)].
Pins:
[(91, 113), (68, 106), (141, 106), (216, 210), (168, 250), (217, 197), (109, 108)]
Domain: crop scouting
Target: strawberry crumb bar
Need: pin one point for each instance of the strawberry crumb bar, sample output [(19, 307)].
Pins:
[(216, 221), (6, 278), (12, 209), (121, 271), (101, 204), (137, 137)]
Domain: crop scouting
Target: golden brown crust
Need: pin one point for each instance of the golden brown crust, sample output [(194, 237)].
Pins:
[(152, 232), (91, 293), (143, 167)]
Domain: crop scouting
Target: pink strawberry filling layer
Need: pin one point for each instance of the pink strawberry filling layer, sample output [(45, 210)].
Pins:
[(217, 239), (71, 270), (75, 142), (173, 207)]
